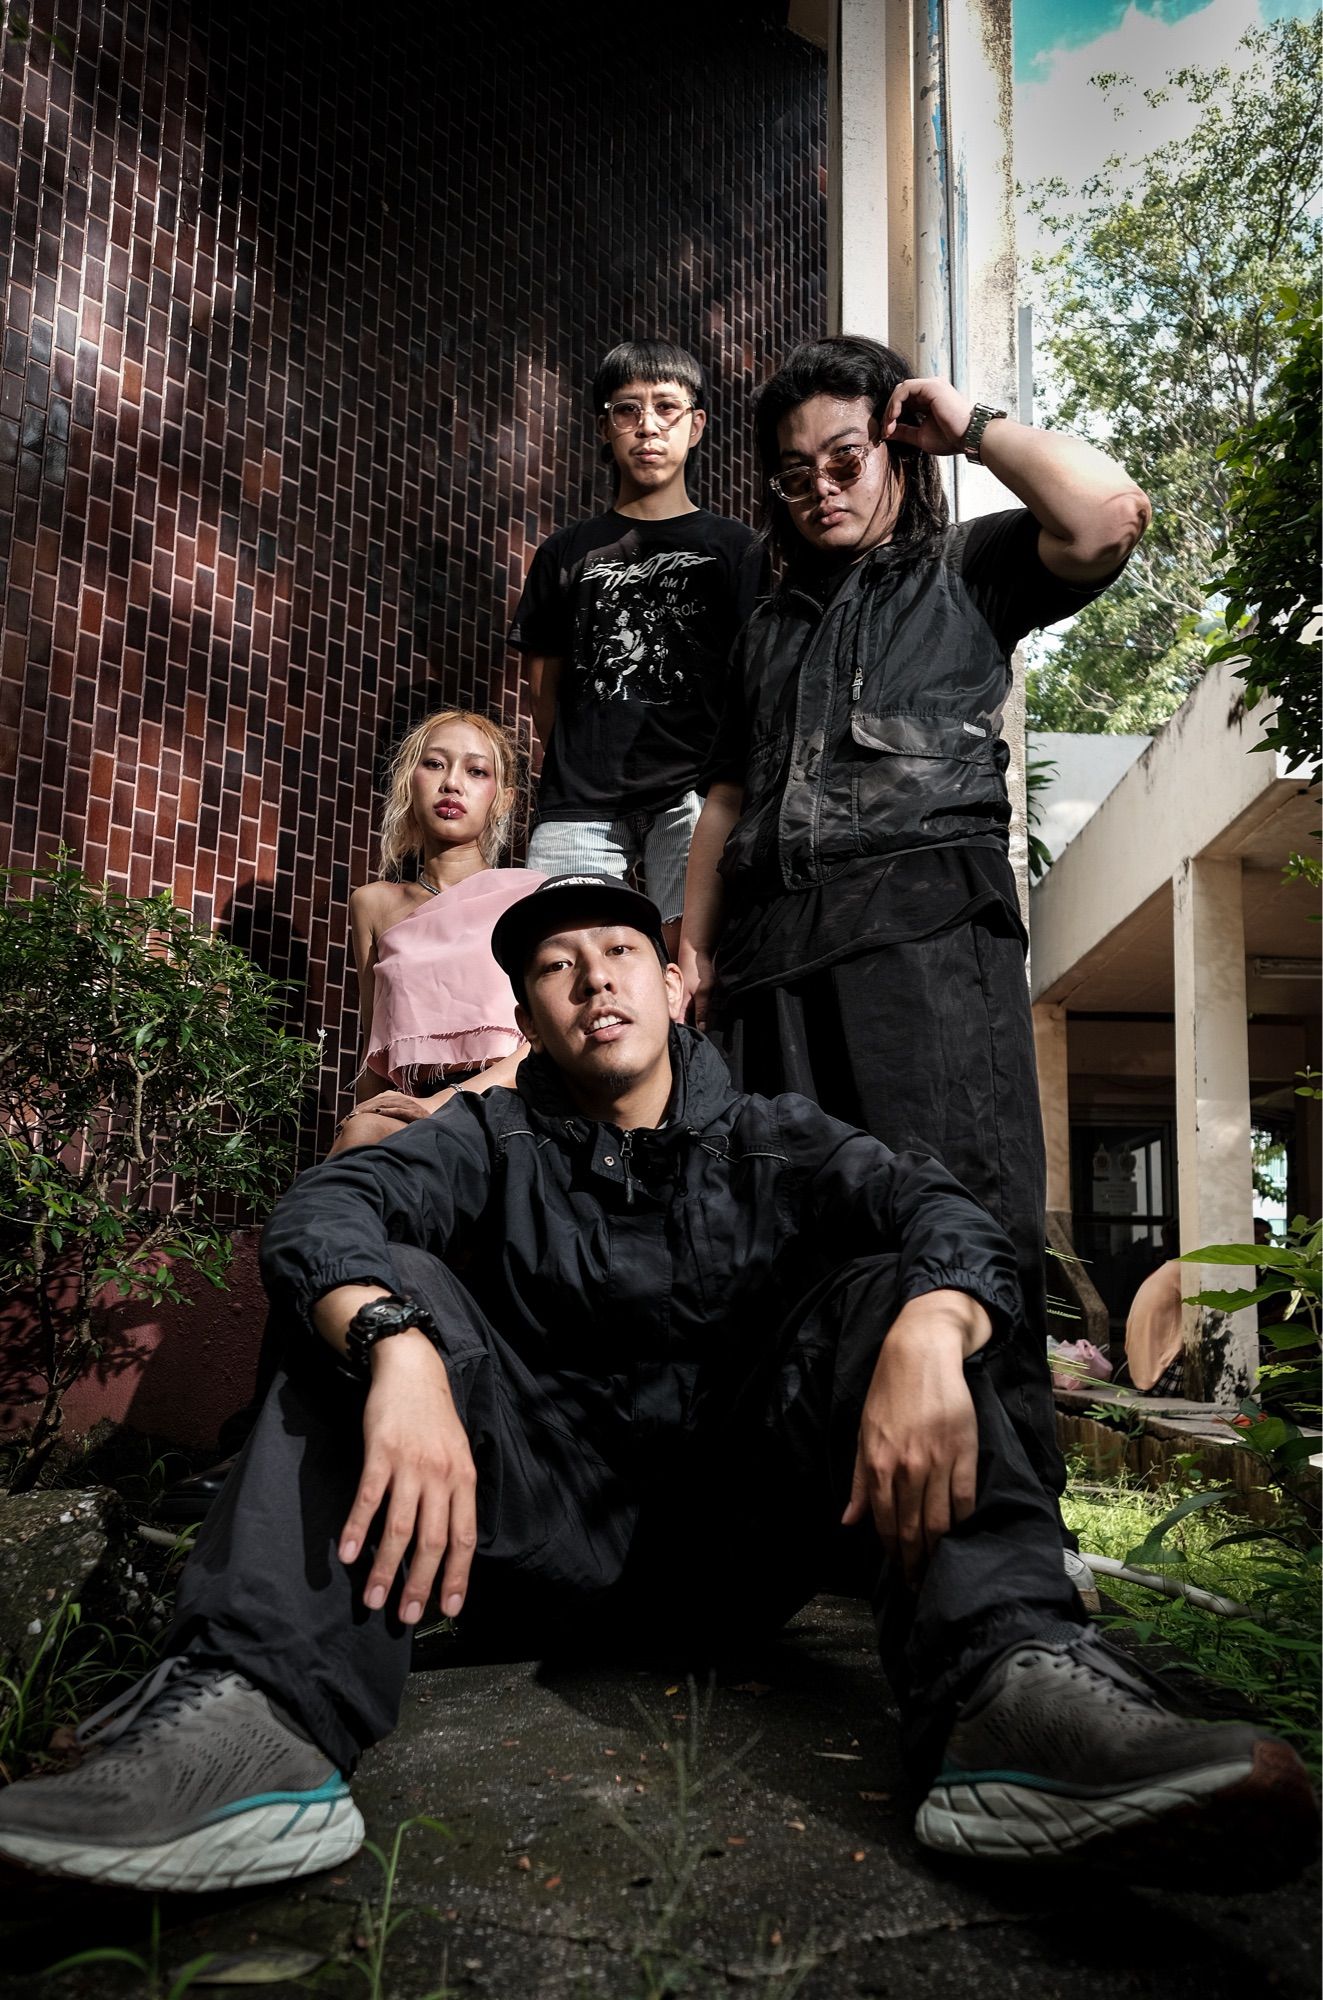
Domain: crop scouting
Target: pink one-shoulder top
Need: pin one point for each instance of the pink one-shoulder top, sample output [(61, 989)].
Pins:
[(441, 1001)]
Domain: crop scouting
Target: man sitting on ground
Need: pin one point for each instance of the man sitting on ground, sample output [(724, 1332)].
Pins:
[(701, 1337)]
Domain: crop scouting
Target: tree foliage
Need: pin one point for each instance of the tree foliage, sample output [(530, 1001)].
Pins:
[(1160, 333), (1269, 560), (145, 1086)]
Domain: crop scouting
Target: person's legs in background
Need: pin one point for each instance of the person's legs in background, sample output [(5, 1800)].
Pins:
[(584, 847), (665, 858), (928, 1045)]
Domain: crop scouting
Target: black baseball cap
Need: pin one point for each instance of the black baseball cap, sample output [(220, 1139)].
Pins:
[(557, 900)]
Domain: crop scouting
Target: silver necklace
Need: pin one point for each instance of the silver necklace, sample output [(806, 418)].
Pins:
[(430, 886)]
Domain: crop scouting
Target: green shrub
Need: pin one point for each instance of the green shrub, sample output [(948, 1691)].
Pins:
[(146, 1089)]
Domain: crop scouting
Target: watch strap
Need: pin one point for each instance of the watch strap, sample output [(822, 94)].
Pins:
[(377, 1321), (981, 416)]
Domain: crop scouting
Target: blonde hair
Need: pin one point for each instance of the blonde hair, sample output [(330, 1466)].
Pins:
[(400, 834)]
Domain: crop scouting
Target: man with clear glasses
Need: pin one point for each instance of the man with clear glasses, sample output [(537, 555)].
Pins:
[(863, 938), (627, 620)]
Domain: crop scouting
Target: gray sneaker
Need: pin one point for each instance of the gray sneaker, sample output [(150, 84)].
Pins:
[(1065, 1750), (192, 1780)]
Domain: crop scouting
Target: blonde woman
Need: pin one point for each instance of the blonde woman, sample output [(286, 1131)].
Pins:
[(438, 1012)]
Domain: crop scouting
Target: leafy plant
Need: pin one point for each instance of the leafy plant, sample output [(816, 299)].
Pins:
[(18, 26), (1269, 556), (1291, 1272), (36, 1698), (148, 1965), (145, 1084), (1269, 1658), (1038, 775), (378, 1923), (1267, 1661), (80, 1663), (1160, 331)]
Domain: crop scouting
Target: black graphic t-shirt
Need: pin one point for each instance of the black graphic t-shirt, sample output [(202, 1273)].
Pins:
[(643, 615)]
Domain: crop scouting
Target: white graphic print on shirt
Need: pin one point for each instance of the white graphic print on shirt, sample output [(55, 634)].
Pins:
[(635, 612)]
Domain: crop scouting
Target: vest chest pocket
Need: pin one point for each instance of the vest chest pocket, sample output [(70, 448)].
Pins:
[(911, 770)]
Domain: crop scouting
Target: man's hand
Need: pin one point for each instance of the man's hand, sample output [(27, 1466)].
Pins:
[(399, 1104), (416, 1457), (928, 413), (916, 1466), (697, 971)]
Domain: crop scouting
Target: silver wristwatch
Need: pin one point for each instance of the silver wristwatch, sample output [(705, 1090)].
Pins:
[(981, 417)]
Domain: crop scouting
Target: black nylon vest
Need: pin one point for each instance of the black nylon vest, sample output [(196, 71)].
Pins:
[(874, 725)]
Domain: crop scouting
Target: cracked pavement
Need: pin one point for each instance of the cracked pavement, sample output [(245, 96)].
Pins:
[(622, 1832)]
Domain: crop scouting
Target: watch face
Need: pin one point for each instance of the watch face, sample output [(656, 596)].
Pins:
[(383, 1316)]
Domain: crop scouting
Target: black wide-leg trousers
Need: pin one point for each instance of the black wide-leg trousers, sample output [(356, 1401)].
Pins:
[(929, 1046), (700, 1541)]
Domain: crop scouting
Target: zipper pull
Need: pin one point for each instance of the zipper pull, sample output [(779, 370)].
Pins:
[(626, 1148), (857, 684)]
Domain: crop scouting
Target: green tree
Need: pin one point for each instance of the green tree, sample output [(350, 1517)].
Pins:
[(145, 1088), (1269, 560), (1159, 335)]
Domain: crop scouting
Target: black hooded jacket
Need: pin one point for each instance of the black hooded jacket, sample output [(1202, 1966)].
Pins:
[(636, 1274)]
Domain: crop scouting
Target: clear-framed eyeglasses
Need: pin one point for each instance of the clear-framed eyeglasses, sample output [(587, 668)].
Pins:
[(841, 467), (628, 414)]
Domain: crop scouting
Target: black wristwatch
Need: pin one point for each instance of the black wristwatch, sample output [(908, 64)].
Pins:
[(378, 1320)]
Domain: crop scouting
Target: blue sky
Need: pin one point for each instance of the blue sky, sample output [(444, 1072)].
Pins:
[(1045, 25)]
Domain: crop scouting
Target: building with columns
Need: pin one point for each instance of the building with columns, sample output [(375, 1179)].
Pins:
[(1175, 979), (1174, 972)]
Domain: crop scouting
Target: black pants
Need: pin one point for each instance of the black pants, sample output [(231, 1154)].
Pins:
[(929, 1046), (732, 1526)]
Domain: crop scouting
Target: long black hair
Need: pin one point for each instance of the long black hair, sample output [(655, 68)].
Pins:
[(849, 367)]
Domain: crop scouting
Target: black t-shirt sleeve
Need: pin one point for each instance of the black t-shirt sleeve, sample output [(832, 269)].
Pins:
[(544, 618), (1008, 580)]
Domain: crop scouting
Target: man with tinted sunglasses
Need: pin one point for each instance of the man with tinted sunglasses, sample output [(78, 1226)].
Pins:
[(862, 943)]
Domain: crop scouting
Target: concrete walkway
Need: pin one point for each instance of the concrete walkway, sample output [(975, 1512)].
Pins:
[(621, 1834)]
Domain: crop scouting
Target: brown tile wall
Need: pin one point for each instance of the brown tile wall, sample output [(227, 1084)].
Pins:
[(301, 310)]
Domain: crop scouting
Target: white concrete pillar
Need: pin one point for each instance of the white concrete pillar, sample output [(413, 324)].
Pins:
[(1051, 1046), (857, 207), (921, 222), (1213, 1117)]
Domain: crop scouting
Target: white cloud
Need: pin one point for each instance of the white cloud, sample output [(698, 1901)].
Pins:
[(1065, 126)]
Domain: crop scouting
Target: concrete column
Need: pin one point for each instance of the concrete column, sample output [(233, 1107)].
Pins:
[(921, 220), (981, 192), (1050, 1043), (858, 222), (1213, 1117)]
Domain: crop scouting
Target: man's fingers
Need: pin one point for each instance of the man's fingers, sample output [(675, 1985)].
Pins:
[(428, 1549), (900, 395), (401, 1522), (936, 1510), (885, 1509), (857, 1505), (910, 1483), (964, 1479), (371, 1491), (463, 1540)]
